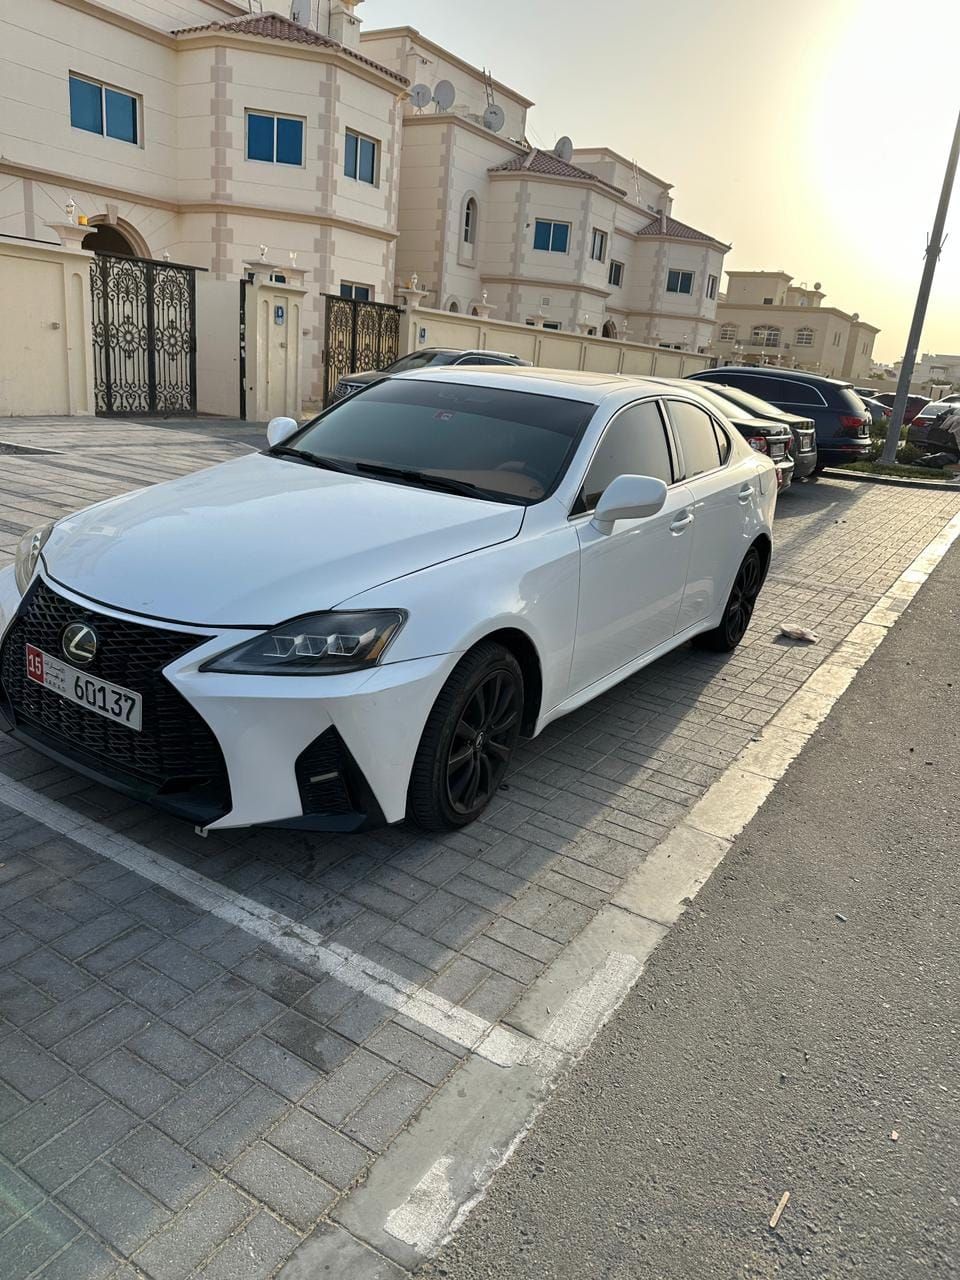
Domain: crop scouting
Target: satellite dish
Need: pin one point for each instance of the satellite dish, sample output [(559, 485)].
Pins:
[(420, 96), (444, 95), (564, 149), (493, 117)]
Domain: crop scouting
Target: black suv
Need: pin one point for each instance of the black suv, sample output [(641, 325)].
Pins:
[(843, 421)]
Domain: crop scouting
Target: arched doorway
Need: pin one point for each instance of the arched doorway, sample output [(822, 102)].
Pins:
[(109, 239), (609, 329), (454, 306)]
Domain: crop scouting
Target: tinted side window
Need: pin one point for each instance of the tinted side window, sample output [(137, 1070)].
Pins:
[(723, 442), (800, 393), (698, 443), (634, 444)]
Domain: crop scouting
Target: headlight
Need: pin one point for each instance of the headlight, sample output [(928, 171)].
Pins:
[(317, 645), (28, 554)]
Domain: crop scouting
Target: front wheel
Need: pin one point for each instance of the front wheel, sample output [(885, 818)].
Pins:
[(468, 740), (739, 610)]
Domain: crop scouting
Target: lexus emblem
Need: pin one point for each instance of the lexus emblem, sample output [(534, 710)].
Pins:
[(79, 643)]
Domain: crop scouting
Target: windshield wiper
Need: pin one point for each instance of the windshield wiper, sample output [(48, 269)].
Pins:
[(429, 481), (311, 459)]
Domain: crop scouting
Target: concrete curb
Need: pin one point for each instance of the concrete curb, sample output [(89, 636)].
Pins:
[(899, 482), (426, 1184)]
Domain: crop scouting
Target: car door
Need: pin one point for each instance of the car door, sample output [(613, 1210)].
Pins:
[(632, 579), (724, 491)]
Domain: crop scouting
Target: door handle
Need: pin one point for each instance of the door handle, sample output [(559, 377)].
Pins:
[(682, 522), (746, 493)]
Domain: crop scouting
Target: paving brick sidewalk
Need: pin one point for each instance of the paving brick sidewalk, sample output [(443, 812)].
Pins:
[(178, 1099)]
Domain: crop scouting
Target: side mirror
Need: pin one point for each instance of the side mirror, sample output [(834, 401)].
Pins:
[(628, 498), (280, 429)]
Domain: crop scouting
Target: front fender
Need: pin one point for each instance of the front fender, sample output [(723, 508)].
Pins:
[(530, 584)]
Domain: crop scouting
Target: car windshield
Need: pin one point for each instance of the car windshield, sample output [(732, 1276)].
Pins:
[(512, 446), (420, 360), (753, 404)]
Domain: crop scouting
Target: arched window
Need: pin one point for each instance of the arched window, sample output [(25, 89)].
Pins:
[(470, 221), (728, 333), (804, 337), (765, 335), (609, 329), (469, 226), (454, 306)]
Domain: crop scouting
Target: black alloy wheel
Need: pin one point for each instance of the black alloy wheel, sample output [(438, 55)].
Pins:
[(482, 742), (468, 740), (740, 606)]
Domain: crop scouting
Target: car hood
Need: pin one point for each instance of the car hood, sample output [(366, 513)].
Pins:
[(258, 540)]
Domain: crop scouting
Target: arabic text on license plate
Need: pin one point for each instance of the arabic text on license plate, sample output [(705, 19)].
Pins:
[(777, 450), (106, 699)]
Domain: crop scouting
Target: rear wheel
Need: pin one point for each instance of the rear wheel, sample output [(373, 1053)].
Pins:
[(468, 740), (739, 610)]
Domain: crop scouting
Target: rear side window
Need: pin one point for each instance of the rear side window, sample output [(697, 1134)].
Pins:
[(776, 390), (850, 402), (634, 444), (698, 439), (723, 442)]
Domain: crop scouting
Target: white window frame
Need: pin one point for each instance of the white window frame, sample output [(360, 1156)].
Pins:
[(804, 337), (358, 284), (712, 283), (103, 85), (598, 245), (377, 154), (681, 272), (768, 331), (728, 333), (274, 116), (553, 222)]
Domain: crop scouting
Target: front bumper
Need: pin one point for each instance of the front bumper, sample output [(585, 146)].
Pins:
[(317, 752)]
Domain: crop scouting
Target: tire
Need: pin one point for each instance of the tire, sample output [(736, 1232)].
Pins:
[(468, 740), (736, 616)]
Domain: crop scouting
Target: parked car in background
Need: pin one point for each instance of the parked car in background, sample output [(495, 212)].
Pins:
[(914, 403), (934, 414), (843, 423), (427, 358), (388, 598), (879, 412), (804, 429), (775, 439)]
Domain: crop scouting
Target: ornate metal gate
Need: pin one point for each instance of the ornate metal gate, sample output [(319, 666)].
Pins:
[(144, 336), (357, 336)]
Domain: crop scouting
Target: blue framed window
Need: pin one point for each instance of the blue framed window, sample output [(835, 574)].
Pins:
[(96, 108), (359, 292), (553, 237), (275, 139), (679, 281), (360, 158)]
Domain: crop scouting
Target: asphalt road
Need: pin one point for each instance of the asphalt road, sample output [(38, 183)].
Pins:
[(803, 1013)]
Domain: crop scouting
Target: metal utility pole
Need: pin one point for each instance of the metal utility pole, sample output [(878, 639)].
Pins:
[(923, 297)]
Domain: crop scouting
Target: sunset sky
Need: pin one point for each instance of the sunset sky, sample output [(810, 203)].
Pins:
[(811, 136)]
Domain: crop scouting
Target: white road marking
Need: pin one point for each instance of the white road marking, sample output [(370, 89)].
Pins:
[(422, 1219), (464, 1028), (582, 1014)]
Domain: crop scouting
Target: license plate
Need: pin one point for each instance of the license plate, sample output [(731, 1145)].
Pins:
[(806, 444), (100, 696), (777, 450)]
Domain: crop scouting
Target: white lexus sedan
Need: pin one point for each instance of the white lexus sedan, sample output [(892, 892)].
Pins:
[(354, 626)]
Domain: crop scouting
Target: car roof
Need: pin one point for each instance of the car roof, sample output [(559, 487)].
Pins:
[(461, 351), (568, 384), (770, 371)]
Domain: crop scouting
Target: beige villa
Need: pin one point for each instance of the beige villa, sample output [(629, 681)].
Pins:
[(764, 318), (189, 130), (579, 239)]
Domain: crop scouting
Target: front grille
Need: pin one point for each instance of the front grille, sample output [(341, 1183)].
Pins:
[(344, 389), (321, 775), (174, 759)]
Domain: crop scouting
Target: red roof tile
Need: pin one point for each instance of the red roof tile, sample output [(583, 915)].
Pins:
[(271, 26), (547, 163), (676, 230)]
